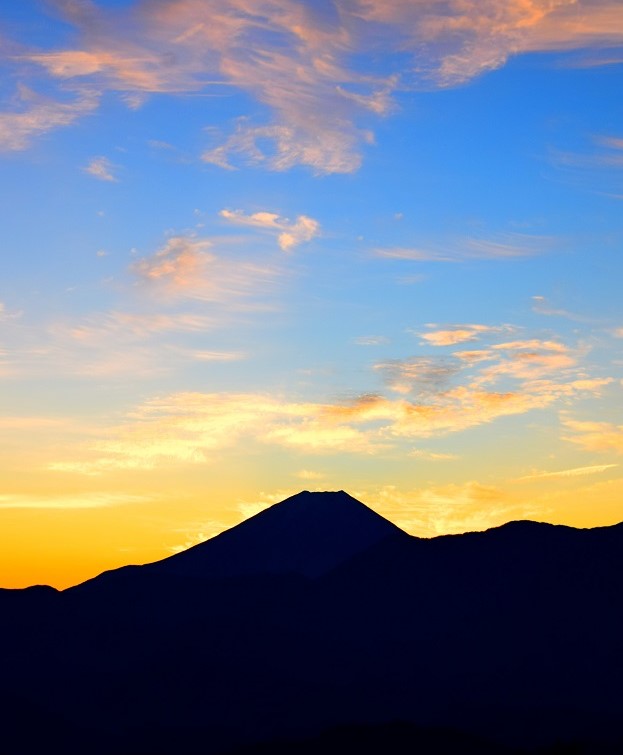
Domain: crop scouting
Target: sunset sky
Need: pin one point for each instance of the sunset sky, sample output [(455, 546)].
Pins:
[(251, 247)]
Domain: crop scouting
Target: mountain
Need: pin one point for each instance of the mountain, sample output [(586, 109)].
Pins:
[(317, 623), (308, 534)]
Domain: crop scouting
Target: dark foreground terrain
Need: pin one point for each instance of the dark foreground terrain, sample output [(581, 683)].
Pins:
[(317, 626)]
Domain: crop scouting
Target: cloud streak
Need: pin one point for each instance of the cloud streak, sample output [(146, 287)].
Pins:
[(503, 246), (574, 472), (91, 500)]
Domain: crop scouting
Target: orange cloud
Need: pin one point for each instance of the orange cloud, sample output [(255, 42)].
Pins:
[(188, 428), (459, 334), (290, 233), (595, 436), (39, 115), (468, 37), (474, 355), (187, 267), (302, 61)]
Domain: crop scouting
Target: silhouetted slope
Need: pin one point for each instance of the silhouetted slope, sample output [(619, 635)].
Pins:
[(309, 534), (511, 634)]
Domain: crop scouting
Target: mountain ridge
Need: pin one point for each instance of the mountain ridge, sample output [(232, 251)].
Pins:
[(511, 634)]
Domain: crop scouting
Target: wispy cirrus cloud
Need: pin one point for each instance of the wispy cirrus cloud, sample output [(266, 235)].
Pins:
[(371, 340), (303, 62), (101, 168), (91, 500), (421, 453), (290, 233), (597, 167), (504, 246), (188, 267), (119, 325), (468, 37), (543, 307), (446, 509), (6, 315), (35, 115), (573, 472)]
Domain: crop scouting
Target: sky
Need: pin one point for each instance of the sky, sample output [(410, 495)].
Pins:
[(252, 247)]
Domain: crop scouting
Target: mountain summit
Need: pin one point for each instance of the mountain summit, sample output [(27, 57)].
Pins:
[(307, 534)]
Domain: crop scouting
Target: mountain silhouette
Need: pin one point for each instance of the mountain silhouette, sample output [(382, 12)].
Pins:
[(308, 534), (317, 623)]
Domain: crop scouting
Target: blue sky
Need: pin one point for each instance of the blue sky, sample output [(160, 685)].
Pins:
[(253, 246)]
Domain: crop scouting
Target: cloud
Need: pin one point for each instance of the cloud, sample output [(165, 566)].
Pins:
[(413, 254), (500, 247), (187, 266), (596, 168), (474, 355), (418, 374), (420, 397), (459, 334), (370, 340), (595, 436), (200, 355), (575, 472), (120, 325), (30, 423), (533, 344), (533, 359), (287, 55), (542, 307), (420, 453), (192, 428), (91, 500), (37, 115), (133, 345), (101, 168), (314, 67), (445, 509), (290, 233), (5, 315), (330, 152), (465, 38), (308, 474)]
